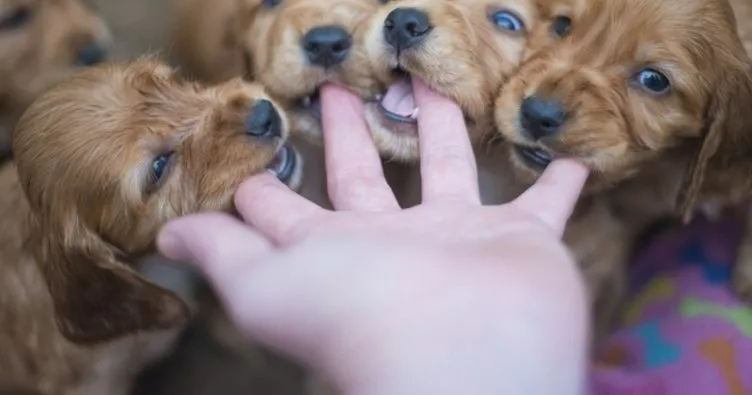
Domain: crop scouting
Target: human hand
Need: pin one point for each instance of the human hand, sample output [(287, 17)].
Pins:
[(405, 301)]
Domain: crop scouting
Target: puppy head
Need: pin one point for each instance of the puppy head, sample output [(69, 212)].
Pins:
[(464, 49), (295, 46), (42, 41), (107, 157), (635, 80)]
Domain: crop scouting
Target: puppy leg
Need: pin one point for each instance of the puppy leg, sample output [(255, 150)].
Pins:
[(742, 275)]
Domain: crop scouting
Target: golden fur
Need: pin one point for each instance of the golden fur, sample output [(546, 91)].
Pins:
[(83, 201), (41, 42), (743, 269), (262, 40), (464, 56), (650, 153)]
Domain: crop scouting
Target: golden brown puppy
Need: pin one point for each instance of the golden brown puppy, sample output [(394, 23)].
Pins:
[(102, 161), (465, 49), (652, 96), (743, 269), (42, 41)]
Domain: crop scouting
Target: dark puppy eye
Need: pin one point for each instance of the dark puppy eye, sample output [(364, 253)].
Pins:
[(271, 3), (561, 26), (653, 81), (506, 20), (158, 170), (15, 19), (383, 1)]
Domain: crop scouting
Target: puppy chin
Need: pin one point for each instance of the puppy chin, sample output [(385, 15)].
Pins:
[(392, 142)]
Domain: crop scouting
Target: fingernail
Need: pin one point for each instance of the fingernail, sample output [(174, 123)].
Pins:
[(170, 244)]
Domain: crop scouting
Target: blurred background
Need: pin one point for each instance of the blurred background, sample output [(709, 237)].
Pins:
[(199, 367)]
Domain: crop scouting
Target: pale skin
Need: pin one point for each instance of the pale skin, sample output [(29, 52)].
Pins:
[(449, 297)]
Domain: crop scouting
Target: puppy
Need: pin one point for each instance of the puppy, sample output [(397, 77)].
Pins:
[(652, 97), (42, 41), (102, 161), (743, 268), (465, 49), (205, 37)]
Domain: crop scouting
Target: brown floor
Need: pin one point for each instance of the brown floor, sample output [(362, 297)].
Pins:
[(199, 367)]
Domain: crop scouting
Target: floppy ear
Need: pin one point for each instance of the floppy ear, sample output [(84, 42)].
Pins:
[(98, 298), (722, 169)]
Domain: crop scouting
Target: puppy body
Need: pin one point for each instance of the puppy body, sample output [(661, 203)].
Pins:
[(205, 39), (643, 96), (41, 42), (36, 355), (102, 161)]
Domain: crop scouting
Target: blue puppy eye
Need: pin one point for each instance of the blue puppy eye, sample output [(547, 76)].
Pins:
[(653, 81), (506, 20), (158, 167)]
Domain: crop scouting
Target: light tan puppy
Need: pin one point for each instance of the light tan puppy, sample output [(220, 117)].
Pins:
[(41, 42), (102, 161)]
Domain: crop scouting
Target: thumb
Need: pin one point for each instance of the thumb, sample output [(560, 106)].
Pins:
[(219, 245), (554, 195)]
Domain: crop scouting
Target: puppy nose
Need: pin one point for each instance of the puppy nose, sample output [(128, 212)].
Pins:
[(541, 117), (406, 27), (264, 121), (91, 55), (327, 46)]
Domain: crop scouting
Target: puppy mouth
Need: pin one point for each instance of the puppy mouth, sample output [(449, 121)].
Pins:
[(285, 164), (310, 104), (533, 157), (398, 102)]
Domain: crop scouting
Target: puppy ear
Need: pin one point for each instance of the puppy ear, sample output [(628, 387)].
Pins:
[(720, 172), (98, 298)]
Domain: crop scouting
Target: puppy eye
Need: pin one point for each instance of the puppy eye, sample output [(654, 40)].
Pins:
[(653, 81), (272, 3), (158, 169), (506, 20), (561, 26), (15, 19)]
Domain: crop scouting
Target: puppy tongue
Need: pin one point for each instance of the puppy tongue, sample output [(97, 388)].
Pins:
[(399, 99)]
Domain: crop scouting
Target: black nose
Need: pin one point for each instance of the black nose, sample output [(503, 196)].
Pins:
[(264, 121), (91, 55), (327, 46), (541, 117), (406, 27)]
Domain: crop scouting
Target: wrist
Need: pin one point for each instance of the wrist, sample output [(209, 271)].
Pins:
[(464, 356)]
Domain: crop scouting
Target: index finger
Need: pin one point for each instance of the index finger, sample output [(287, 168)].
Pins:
[(555, 194), (447, 161)]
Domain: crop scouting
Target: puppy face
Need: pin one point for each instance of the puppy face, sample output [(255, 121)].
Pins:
[(634, 80), (294, 46), (42, 41), (109, 156), (464, 49)]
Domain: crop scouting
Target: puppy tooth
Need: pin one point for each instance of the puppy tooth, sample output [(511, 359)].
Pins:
[(307, 101), (378, 97), (414, 114)]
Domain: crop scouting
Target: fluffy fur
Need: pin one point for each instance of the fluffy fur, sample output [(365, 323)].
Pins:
[(84, 200), (650, 153), (41, 42), (465, 56)]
